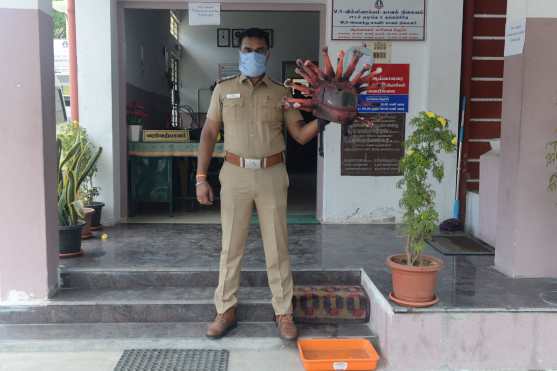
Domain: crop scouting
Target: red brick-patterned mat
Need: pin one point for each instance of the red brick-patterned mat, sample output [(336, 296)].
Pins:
[(330, 304)]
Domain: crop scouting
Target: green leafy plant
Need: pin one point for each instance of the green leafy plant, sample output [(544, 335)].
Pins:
[(76, 161), (430, 137), (90, 192), (551, 161), (59, 24), (69, 134)]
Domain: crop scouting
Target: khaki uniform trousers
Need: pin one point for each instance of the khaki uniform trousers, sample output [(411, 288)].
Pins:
[(240, 190)]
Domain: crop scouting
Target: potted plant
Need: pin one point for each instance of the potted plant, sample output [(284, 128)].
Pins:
[(90, 193), (414, 276), (135, 116), (74, 164), (69, 133)]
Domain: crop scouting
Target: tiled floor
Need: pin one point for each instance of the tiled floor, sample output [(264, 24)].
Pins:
[(467, 282), (240, 360)]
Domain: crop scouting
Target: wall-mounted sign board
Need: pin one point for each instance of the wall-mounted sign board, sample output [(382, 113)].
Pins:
[(227, 70), (168, 136), (390, 92), (374, 151), (395, 20)]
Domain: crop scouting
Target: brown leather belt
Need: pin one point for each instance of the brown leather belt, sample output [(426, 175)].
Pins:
[(255, 163)]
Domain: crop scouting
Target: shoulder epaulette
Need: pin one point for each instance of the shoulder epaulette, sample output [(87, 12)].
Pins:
[(276, 82), (227, 78)]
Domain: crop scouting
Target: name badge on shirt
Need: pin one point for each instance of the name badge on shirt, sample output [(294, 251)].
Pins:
[(233, 96)]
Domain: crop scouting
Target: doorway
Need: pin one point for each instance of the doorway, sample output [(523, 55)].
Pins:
[(170, 71)]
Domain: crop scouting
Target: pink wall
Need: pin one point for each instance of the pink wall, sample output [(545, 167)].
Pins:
[(461, 339), (527, 223), (28, 253), (489, 194)]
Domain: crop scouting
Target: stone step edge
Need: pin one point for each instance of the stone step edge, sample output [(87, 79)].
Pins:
[(123, 279), (231, 342), (107, 302), (69, 269), (184, 330), (5, 307)]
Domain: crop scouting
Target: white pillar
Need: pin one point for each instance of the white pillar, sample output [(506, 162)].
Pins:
[(97, 52)]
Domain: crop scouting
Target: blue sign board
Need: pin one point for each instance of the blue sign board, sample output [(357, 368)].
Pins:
[(395, 103)]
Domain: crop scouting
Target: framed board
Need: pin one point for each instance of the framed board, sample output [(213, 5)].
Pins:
[(271, 35), (386, 20), (223, 37), (237, 32), (374, 151)]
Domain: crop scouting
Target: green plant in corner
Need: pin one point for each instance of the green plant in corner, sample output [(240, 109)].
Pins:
[(75, 163), (430, 137), (69, 134), (551, 161)]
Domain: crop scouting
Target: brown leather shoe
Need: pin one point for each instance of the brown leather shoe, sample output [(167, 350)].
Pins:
[(286, 327), (223, 323)]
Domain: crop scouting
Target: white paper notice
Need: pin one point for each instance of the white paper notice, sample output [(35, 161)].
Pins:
[(201, 14), (515, 33)]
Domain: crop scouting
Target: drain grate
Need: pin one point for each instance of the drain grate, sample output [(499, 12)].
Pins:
[(173, 360)]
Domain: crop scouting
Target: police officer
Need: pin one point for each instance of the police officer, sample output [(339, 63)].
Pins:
[(254, 173)]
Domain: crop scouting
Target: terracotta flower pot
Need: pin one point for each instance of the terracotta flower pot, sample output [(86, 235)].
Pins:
[(414, 286), (86, 231)]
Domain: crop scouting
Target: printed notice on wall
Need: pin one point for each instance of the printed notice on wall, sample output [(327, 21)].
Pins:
[(515, 31), (201, 14), (374, 151), (390, 92), (402, 20), (228, 69)]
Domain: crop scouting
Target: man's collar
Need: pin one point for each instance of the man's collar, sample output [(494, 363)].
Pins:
[(266, 79)]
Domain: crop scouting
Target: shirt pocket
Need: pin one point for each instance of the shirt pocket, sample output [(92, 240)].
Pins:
[(270, 110), (232, 109)]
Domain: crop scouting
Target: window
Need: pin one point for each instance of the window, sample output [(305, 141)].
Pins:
[(174, 91), (174, 25)]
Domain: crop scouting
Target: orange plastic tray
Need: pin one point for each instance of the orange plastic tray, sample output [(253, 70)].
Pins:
[(337, 354)]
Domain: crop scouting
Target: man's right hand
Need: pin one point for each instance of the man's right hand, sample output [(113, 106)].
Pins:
[(204, 194)]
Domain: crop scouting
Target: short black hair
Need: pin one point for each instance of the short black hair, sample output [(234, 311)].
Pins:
[(257, 33)]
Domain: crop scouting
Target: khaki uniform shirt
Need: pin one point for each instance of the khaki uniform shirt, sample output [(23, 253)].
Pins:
[(253, 116)]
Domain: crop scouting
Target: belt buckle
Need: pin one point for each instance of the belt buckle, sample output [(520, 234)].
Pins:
[(252, 163)]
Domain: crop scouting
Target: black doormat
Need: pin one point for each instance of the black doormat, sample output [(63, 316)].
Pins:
[(173, 360), (460, 244)]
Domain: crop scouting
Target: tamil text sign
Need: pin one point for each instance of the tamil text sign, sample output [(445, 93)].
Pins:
[(378, 20), (374, 151), (389, 91)]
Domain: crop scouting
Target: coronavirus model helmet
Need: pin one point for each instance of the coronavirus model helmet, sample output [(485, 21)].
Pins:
[(332, 95)]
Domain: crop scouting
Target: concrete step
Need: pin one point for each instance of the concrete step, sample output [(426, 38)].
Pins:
[(90, 278), (150, 304), (120, 336)]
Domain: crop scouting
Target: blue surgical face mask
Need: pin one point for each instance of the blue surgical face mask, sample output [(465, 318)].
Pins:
[(253, 64)]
